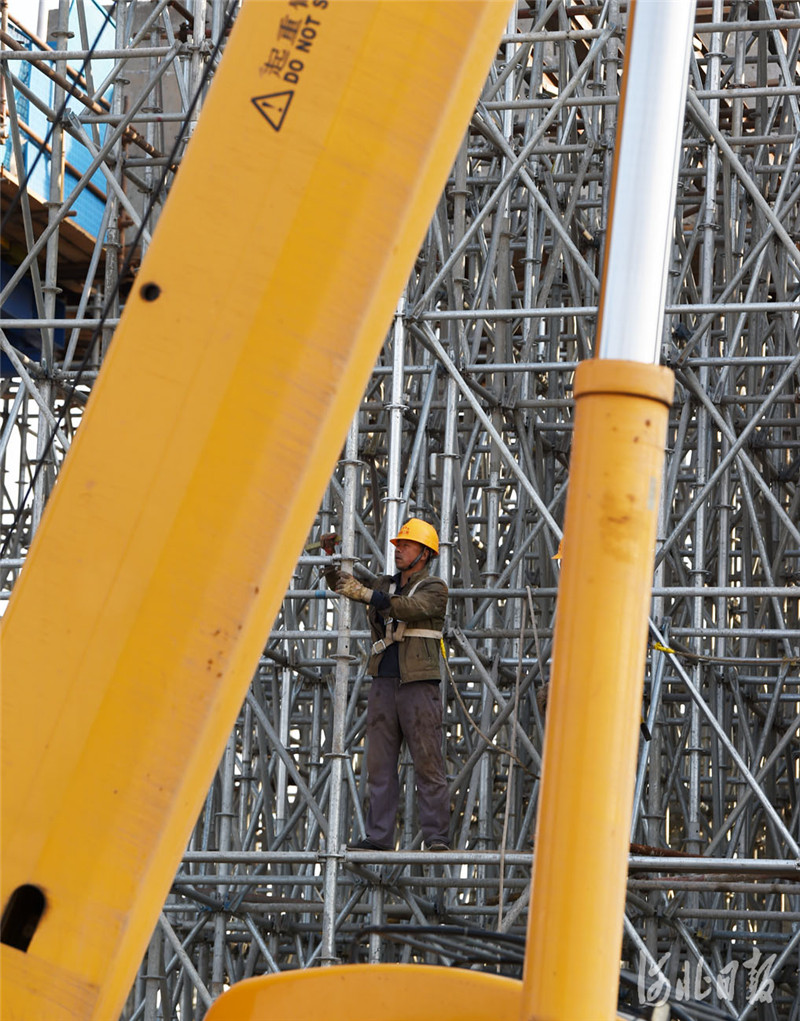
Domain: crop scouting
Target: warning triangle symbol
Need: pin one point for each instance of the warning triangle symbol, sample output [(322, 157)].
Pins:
[(273, 107)]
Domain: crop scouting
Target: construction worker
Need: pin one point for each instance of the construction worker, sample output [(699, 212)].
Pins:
[(406, 613)]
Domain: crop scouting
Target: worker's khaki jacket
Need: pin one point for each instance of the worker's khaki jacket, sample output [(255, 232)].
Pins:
[(424, 609)]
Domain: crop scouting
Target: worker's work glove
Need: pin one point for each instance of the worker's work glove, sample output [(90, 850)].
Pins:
[(347, 585)]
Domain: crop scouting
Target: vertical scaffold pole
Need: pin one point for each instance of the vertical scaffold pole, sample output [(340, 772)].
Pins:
[(342, 673)]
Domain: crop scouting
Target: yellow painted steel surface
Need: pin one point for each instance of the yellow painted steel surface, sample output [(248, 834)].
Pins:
[(594, 706), (174, 528), (380, 992)]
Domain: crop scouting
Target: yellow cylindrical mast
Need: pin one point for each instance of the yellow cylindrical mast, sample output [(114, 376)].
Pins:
[(593, 710), (622, 401)]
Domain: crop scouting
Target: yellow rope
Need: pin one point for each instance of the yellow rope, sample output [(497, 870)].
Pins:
[(734, 660)]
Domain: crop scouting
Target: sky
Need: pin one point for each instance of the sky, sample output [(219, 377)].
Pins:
[(27, 11)]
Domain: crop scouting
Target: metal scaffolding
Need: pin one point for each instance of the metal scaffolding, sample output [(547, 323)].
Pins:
[(467, 422)]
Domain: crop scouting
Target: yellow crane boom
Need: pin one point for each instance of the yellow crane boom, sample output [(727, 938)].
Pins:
[(252, 333)]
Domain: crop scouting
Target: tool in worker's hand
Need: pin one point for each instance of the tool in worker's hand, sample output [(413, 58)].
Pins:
[(326, 543)]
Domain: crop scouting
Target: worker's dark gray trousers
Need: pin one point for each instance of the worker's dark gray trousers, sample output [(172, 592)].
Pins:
[(412, 711)]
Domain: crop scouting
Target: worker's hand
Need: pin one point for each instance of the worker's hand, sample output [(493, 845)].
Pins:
[(328, 541), (348, 586)]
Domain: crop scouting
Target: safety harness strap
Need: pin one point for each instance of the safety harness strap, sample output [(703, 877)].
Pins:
[(398, 632)]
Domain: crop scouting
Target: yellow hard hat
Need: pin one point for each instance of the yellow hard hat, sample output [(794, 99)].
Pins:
[(419, 531)]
